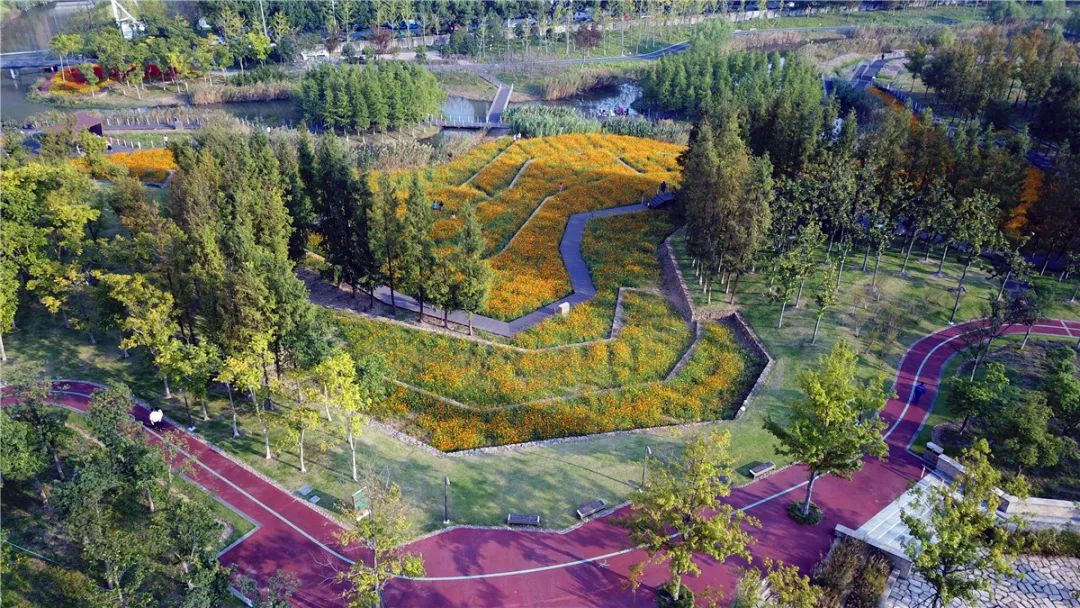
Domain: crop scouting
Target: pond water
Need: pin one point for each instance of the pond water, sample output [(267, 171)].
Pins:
[(15, 108), (600, 100)]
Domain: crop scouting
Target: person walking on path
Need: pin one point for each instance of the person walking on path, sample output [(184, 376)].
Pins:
[(918, 392)]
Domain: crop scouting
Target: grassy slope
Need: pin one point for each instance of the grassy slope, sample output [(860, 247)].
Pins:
[(920, 304), (1022, 367), (549, 480)]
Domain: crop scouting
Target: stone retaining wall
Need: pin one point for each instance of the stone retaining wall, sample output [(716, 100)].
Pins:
[(1043, 510), (673, 279)]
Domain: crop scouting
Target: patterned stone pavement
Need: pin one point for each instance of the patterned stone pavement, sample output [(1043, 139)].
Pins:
[(1045, 582)]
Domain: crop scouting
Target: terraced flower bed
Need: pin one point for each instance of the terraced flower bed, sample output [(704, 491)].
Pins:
[(463, 394), (624, 360)]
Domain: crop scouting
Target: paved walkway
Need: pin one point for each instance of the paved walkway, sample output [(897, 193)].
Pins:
[(1045, 582), (577, 270), (588, 565)]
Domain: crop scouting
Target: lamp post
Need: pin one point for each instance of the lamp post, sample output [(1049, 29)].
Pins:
[(446, 501), (645, 467)]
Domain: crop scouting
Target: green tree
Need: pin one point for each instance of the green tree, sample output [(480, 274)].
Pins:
[(973, 398), (65, 45), (1021, 435), (471, 290), (824, 295), (977, 227), (417, 258), (836, 424), (149, 320), (384, 532), (297, 423), (1062, 386), (385, 235), (22, 457), (48, 423), (680, 513), (957, 543), (260, 46), (45, 210)]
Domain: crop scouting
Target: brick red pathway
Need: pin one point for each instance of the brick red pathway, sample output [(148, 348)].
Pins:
[(586, 566)]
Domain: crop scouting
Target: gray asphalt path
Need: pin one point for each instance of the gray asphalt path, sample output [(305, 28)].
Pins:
[(576, 269)]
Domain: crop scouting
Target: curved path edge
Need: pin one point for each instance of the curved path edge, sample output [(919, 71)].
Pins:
[(586, 565), (581, 283)]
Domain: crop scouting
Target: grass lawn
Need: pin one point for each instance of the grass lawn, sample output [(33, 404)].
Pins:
[(466, 84), (1022, 368), (655, 33), (909, 308)]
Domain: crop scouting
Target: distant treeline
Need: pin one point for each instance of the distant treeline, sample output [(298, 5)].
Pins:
[(373, 96)]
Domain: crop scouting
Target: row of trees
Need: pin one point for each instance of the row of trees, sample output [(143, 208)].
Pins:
[(205, 288), (1029, 429), (990, 72), (169, 46), (374, 96), (372, 240), (911, 181), (117, 501), (775, 100)]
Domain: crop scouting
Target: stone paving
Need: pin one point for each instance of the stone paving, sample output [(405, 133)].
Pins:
[(1045, 582)]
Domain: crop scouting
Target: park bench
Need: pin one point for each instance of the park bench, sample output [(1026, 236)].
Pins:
[(521, 519), (591, 508), (760, 469)]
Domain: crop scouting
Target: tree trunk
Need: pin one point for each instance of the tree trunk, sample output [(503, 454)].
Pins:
[(150, 499), (205, 414), (809, 493), (817, 324), (840, 271), (865, 257), (798, 296), (3, 353), (734, 287), (232, 409), (780, 323), (187, 407), (1027, 335), (168, 395), (470, 322), (941, 263), (877, 266), (907, 256), (352, 448), (266, 438), (959, 290), (1004, 282), (303, 465)]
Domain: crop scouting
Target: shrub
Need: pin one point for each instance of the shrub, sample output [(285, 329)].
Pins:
[(840, 568), (541, 121), (870, 585), (665, 600), (812, 518), (1053, 542), (259, 75), (664, 130)]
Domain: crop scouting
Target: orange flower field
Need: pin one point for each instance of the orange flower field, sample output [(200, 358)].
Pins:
[(150, 165), (596, 172), (460, 394)]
